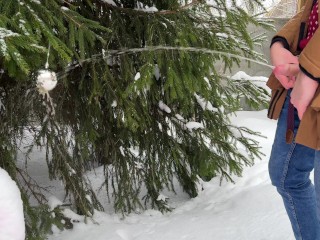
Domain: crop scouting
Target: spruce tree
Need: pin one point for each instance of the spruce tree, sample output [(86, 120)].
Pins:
[(142, 90)]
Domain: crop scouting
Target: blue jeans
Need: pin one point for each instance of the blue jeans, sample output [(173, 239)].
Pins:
[(289, 168)]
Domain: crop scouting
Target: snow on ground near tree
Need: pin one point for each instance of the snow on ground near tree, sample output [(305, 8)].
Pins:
[(11, 212), (250, 209)]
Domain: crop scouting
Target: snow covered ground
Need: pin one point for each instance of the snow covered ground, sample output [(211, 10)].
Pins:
[(250, 209), (12, 225)]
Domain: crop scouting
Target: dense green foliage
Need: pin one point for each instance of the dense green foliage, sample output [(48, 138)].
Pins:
[(142, 93)]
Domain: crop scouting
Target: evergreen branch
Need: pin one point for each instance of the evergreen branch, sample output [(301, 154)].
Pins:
[(68, 3), (33, 186), (157, 48), (162, 12), (79, 25), (185, 7)]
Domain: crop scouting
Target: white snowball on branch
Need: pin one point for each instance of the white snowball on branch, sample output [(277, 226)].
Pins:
[(46, 81)]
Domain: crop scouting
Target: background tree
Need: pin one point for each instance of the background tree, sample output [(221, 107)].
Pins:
[(141, 90)]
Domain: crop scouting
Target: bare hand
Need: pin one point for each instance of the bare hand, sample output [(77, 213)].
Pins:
[(281, 56), (286, 74), (303, 92)]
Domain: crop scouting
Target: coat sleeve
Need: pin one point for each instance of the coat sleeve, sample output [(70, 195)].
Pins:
[(289, 33), (310, 57)]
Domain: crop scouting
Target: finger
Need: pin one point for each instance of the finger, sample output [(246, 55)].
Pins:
[(285, 82), (301, 108), (290, 69), (292, 78), (291, 82), (301, 111), (292, 101)]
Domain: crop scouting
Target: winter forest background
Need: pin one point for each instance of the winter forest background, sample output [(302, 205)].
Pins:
[(139, 91)]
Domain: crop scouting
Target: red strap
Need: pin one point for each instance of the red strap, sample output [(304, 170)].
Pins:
[(290, 124)]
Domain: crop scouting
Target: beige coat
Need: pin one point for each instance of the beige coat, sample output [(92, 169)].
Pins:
[(309, 130)]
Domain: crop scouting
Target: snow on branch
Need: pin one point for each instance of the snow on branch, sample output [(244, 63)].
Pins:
[(112, 4)]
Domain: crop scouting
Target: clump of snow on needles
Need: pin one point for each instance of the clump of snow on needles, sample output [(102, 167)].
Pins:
[(164, 107), (205, 105), (111, 2), (260, 81), (194, 125), (137, 76), (5, 33)]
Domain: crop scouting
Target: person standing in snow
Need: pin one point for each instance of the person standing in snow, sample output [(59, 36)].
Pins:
[(12, 225), (295, 102)]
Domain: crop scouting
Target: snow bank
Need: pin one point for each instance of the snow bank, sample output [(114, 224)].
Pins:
[(11, 211)]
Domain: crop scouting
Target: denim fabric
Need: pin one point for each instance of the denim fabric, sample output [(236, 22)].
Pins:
[(290, 166)]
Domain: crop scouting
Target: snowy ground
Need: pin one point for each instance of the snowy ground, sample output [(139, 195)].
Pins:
[(250, 209)]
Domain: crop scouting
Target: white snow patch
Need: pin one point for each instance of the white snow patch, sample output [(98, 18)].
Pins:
[(162, 197), (194, 125), (151, 9), (12, 226), (111, 2), (5, 33), (205, 105), (164, 107), (114, 104), (138, 75), (179, 117), (257, 80), (54, 202)]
